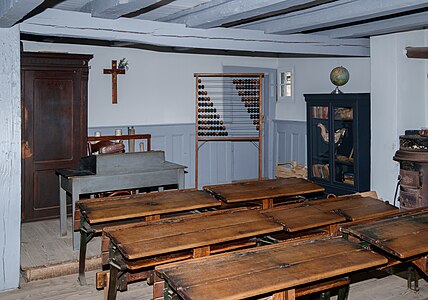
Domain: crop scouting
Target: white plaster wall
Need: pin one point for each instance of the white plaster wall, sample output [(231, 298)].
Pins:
[(399, 100), (159, 88), (312, 75), (10, 168)]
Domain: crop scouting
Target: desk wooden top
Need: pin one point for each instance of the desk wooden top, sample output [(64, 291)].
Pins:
[(302, 217), (142, 205), (263, 189), (313, 214), (404, 235), (265, 270), (190, 232), (357, 208)]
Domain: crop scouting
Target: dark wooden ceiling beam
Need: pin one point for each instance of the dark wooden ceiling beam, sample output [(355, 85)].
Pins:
[(417, 52)]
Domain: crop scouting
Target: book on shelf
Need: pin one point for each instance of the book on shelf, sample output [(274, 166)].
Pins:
[(320, 170), (348, 178), (319, 112)]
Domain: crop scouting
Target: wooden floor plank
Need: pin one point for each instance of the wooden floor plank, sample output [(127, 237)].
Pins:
[(42, 245)]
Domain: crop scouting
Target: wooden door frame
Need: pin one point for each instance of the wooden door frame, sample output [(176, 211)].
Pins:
[(60, 62)]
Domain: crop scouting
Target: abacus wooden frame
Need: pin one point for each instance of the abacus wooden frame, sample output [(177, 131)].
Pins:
[(257, 138)]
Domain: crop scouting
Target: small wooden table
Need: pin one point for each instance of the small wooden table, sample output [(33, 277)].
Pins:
[(328, 212), (95, 214), (270, 270), (263, 190), (139, 247), (403, 236)]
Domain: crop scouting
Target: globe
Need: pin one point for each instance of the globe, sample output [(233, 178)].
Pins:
[(339, 76)]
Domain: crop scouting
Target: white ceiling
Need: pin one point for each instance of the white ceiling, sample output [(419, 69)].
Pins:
[(267, 24)]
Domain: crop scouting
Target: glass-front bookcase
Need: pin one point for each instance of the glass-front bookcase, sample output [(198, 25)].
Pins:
[(338, 141)]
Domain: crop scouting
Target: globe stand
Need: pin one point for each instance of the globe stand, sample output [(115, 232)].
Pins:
[(336, 91)]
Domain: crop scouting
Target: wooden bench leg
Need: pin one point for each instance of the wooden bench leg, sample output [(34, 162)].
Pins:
[(158, 287), (151, 218), (333, 230), (101, 280), (285, 295), (201, 251), (267, 203), (82, 257)]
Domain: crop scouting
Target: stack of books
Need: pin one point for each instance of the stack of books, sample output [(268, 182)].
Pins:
[(348, 178), (320, 170)]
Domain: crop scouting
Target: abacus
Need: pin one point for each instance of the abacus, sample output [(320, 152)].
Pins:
[(229, 108)]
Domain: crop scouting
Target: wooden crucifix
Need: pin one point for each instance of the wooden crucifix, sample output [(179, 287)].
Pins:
[(114, 71)]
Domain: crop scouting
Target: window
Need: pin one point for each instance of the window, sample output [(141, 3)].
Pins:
[(285, 84)]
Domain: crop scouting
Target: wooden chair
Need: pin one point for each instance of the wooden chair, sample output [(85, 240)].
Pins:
[(95, 142)]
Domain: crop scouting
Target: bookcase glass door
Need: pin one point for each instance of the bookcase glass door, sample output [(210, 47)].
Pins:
[(343, 156), (320, 142)]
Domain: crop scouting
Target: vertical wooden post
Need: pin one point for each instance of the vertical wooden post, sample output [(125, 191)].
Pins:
[(201, 252), (196, 134), (267, 203), (285, 295), (260, 126)]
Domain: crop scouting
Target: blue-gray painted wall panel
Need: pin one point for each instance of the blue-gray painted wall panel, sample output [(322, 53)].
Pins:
[(218, 163), (289, 141)]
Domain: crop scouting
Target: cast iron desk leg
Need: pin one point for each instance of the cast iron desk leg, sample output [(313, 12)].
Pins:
[(112, 287), (180, 179), (62, 208), (82, 256), (75, 193), (85, 237), (343, 293)]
